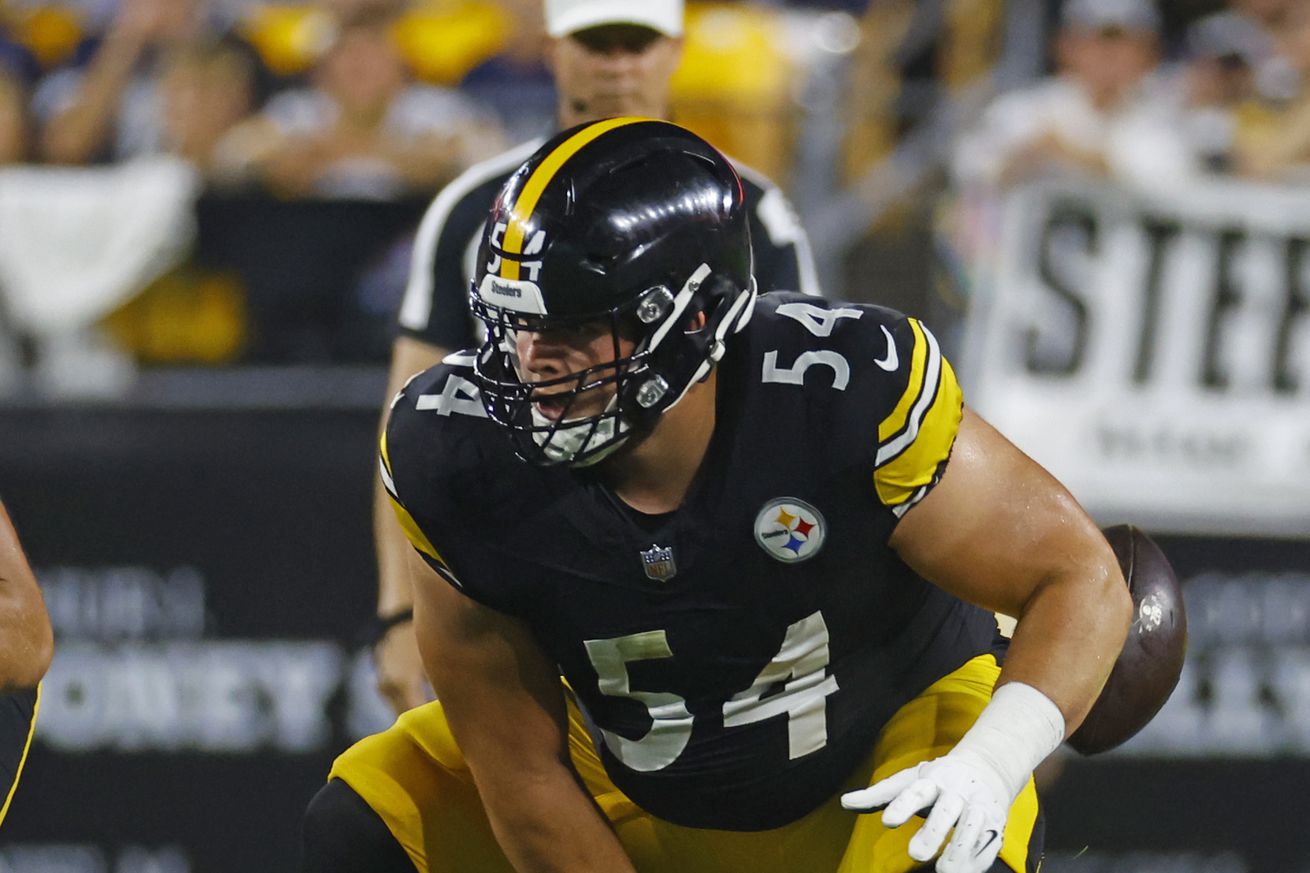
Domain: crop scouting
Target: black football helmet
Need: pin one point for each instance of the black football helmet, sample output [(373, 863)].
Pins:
[(636, 224)]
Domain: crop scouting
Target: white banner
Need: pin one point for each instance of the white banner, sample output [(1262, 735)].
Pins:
[(1154, 353)]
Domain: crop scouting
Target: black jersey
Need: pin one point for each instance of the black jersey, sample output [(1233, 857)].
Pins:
[(740, 654), (17, 721), (435, 308)]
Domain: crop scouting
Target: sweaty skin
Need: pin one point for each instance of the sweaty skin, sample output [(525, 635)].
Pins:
[(24, 625)]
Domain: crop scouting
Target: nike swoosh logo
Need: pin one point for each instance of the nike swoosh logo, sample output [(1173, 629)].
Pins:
[(891, 362), (991, 838)]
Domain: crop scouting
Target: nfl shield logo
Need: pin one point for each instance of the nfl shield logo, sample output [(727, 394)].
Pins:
[(658, 563)]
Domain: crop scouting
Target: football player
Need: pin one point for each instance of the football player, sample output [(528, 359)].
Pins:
[(26, 647), (762, 539), (608, 58)]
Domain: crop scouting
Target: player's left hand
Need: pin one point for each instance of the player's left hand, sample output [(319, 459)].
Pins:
[(962, 793)]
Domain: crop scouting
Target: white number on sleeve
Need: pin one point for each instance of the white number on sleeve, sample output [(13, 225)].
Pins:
[(670, 721), (795, 374), (457, 395), (816, 319), (801, 663), (820, 322)]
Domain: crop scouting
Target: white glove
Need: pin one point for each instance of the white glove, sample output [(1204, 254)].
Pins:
[(961, 793), (972, 787)]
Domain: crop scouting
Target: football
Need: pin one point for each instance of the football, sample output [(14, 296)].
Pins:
[(1152, 658)]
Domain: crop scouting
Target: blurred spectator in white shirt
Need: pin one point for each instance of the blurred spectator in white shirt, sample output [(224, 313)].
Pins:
[(363, 129), (1222, 54), (114, 108), (205, 88), (1275, 77), (1105, 114), (1271, 140)]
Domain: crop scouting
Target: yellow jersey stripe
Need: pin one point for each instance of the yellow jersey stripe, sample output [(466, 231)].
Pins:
[(908, 463), (384, 465), (382, 449), (387, 481), (413, 532), (904, 477), (536, 184), (895, 423), (895, 441), (27, 747)]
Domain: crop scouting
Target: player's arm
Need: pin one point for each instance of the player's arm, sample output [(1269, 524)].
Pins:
[(434, 308), (26, 640), (400, 676), (503, 700), (999, 531)]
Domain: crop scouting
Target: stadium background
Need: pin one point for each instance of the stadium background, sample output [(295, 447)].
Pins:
[(189, 457)]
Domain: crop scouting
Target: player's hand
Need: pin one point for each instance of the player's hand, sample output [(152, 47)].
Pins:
[(402, 680), (961, 793)]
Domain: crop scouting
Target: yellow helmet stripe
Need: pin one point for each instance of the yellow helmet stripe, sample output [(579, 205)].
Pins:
[(536, 185)]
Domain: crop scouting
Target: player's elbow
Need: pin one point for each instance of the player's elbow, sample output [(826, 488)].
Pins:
[(29, 647), (1085, 585), (1107, 592), (40, 652)]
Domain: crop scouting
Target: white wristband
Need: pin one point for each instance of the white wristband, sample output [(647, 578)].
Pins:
[(1013, 734)]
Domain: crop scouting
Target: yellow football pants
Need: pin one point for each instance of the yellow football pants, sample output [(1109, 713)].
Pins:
[(415, 777)]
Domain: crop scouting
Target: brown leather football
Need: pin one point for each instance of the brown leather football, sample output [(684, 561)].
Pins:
[(1152, 658)]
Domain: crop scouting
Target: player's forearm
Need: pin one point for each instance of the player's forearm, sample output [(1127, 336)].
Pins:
[(26, 640), (1069, 635), (395, 591), (546, 823), (502, 698)]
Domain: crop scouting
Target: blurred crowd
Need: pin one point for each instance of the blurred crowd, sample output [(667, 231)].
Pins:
[(1227, 91), (380, 98), (386, 100), (320, 99)]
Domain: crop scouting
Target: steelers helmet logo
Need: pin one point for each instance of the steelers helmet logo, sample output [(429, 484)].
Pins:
[(790, 530)]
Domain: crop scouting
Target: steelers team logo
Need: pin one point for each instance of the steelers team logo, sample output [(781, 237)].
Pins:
[(789, 529)]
